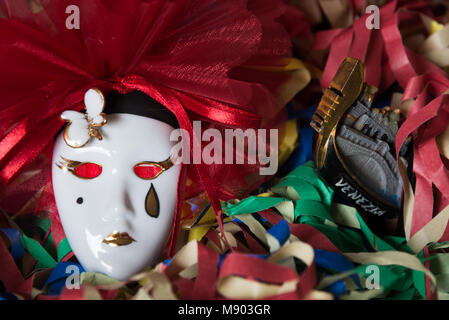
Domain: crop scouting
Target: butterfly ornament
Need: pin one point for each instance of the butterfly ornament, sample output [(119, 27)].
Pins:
[(83, 126)]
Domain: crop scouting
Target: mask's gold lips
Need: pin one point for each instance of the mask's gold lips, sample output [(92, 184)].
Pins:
[(116, 239)]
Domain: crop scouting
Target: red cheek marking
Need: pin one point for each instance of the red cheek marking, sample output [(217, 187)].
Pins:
[(147, 170), (88, 170)]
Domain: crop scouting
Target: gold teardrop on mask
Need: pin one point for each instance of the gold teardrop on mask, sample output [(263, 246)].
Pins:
[(152, 203)]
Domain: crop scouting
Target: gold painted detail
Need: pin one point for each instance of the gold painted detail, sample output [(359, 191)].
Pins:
[(68, 165), (343, 91), (166, 164), (152, 203), (116, 239), (163, 165), (71, 165), (93, 128)]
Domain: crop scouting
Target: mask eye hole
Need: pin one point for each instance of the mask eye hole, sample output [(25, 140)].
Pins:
[(148, 170), (87, 170)]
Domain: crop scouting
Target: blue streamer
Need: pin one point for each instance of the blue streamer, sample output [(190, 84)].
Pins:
[(303, 113), (280, 231), (17, 250), (167, 262), (4, 294), (259, 256), (56, 282), (221, 258), (7, 296), (259, 218), (303, 151), (305, 147), (335, 261), (201, 215), (338, 288)]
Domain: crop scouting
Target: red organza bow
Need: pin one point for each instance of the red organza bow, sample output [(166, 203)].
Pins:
[(178, 52)]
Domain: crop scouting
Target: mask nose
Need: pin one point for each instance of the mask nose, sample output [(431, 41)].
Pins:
[(119, 207)]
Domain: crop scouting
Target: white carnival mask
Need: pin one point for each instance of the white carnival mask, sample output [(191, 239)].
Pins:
[(115, 187)]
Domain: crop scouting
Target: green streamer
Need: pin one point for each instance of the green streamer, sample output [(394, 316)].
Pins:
[(63, 249), (38, 252), (311, 200)]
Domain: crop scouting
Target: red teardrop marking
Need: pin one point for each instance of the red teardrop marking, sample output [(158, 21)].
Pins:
[(147, 170), (88, 170)]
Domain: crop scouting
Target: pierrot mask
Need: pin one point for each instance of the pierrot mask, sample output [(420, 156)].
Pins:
[(115, 180)]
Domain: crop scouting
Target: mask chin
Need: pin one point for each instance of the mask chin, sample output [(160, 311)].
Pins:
[(117, 223)]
